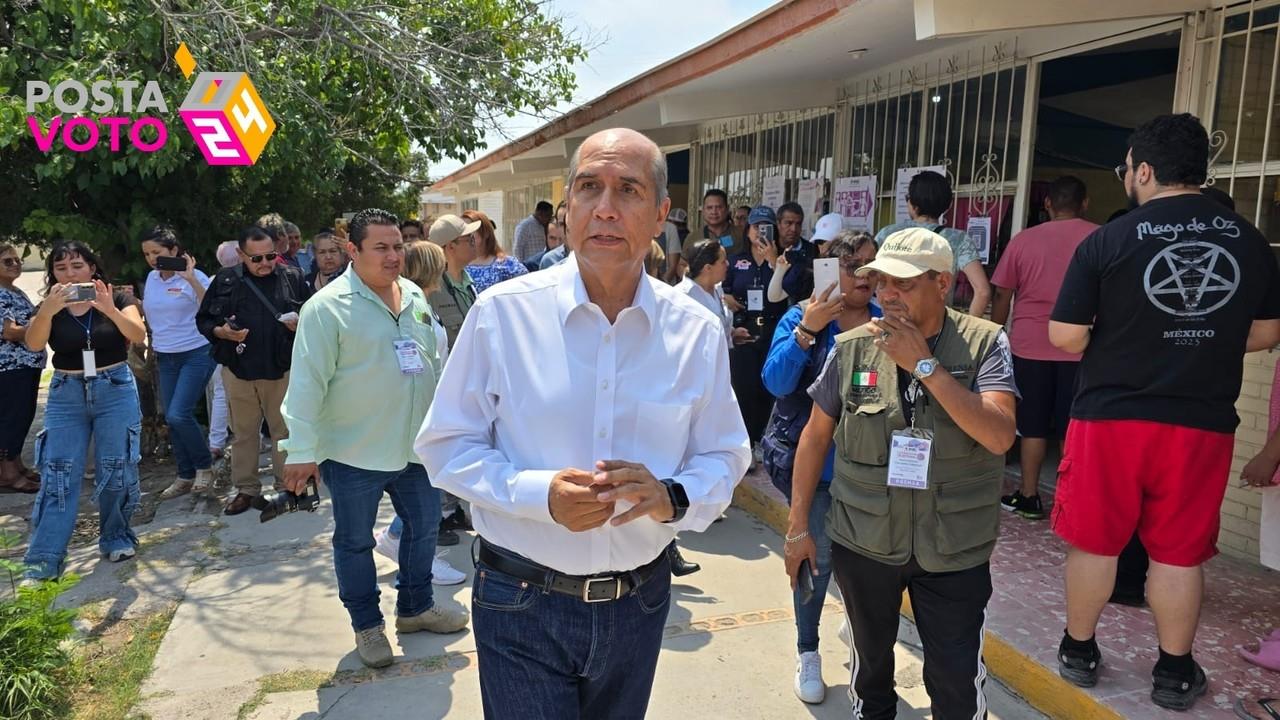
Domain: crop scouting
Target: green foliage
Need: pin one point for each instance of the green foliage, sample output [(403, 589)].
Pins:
[(35, 664), (364, 98)]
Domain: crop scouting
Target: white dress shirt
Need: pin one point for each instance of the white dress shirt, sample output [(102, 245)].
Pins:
[(540, 381)]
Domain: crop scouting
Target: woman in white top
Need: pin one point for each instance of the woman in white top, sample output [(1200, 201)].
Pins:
[(169, 302), (708, 265)]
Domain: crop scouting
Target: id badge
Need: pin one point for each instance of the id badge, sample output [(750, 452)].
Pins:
[(909, 456), (755, 300), (90, 363), (726, 241), (408, 356)]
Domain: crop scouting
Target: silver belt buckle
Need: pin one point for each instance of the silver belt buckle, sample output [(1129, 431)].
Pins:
[(586, 589)]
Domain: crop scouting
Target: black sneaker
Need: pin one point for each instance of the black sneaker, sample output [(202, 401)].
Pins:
[(1079, 669), (1177, 692), (456, 520), (1026, 506), (445, 538)]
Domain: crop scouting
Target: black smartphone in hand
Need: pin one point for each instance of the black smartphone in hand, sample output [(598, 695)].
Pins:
[(176, 263), (805, 581)]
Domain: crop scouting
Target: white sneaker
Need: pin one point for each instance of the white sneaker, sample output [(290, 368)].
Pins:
[(442, 573), (203, 484), (179, 488), (809, 685), (121, 555), (846, 636), (388, 547)]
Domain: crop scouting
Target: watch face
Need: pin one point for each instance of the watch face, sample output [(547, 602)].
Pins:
[(925, 367)]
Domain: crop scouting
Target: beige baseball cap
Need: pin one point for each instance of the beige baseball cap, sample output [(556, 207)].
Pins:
[(911, 252), (448, 228)]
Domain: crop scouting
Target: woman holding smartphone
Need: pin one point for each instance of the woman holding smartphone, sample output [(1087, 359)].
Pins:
[(170, 299), (92, 394), (745, 287)]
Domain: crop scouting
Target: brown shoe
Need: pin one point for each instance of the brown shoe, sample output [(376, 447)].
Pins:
[(240, 503)]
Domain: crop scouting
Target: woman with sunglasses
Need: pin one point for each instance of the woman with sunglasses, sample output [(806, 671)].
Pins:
[(170, 300), (800, 347), (19, 376), (89, 327), (491, 264)]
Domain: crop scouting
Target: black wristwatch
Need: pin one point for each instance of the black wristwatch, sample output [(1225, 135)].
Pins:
[(679, 500)]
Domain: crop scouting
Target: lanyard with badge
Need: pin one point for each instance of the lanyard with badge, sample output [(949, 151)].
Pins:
[(88, 360), (407, 354), (910, 450)]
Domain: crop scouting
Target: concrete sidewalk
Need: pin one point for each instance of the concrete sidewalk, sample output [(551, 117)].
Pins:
[(260, 633)]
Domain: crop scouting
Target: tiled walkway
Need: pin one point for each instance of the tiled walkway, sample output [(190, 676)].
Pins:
[(1027, 614), (1028, 610)]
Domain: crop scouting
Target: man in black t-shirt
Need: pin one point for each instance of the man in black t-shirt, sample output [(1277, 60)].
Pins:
[(1163, 302)]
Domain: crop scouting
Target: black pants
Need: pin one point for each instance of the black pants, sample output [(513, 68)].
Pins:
[(19, 388), (950, 611), (745, 365)]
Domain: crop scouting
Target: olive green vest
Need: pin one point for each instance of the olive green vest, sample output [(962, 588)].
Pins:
[(953, 524)]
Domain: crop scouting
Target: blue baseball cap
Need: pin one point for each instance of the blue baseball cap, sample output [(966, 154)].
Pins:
[(762, 214)]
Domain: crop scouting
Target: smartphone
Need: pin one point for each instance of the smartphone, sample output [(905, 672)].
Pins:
[(177, 263), (765, 232), (826, 272), (231, 323), (83, 292), (805, 581)]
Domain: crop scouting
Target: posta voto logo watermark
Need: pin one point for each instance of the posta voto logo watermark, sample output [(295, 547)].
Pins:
[(222, 111)]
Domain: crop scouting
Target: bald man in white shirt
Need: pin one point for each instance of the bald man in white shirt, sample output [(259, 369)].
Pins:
[(573, 585)]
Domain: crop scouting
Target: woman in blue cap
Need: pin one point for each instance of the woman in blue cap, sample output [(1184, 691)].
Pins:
[(745, 287)]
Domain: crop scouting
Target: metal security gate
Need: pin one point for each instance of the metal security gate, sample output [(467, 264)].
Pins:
[(1234, 80)]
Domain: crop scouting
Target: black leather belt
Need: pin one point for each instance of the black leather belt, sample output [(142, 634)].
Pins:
[(587, 588)]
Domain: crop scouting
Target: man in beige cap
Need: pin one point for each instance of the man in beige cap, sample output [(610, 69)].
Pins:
[(456, 294), (921, 406)]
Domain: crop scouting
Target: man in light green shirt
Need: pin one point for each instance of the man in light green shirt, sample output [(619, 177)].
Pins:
[(928, 198), (365, 365)]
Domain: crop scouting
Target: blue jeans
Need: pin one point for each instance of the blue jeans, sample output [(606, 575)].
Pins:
[(104, 408), (183, 377), (808, 614), (546, 655), (356, 494)]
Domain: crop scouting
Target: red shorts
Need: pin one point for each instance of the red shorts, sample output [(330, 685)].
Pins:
[(1165, 481)]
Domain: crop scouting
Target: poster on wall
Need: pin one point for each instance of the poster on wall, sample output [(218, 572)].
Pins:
[(979, 231), (903, 181), (855, 200), (809, 197), (774, 192)]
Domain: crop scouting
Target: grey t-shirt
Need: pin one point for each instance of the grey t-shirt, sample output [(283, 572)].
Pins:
[(995, 374)]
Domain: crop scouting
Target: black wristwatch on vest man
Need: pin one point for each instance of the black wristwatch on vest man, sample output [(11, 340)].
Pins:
[(679, 499)]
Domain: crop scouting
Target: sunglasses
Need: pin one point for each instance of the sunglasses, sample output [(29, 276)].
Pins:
[(1121, 170), (269, 257), (852, 266), (11, 262)]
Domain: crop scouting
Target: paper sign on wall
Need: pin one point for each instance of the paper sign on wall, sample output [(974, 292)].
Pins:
[(809, 197), (855, 200), (979, 231), (774, 192), (902, 182)]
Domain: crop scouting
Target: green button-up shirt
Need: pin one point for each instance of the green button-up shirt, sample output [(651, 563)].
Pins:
[(347, 399)]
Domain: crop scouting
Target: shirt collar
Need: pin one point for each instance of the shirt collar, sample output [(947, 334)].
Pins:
[(466, 280), (571, 292), (407, 290)]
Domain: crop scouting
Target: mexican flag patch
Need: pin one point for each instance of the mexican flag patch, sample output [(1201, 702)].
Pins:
[(864, 378)]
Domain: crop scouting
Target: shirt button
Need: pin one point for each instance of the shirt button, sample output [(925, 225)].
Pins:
[(603, 432), (608, 338), (604, 385)]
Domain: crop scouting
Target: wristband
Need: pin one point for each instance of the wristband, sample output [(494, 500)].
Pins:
[(791, 540), (806, 331)]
